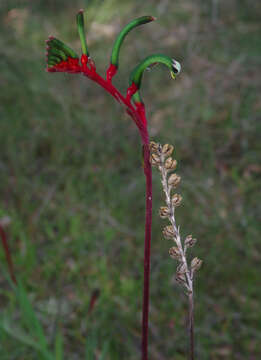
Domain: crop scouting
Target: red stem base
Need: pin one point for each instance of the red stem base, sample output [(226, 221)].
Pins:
[(7, 254)]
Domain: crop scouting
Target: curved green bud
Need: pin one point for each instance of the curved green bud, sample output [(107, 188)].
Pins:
[(53, 59), (51, 63), (136, 74), (80, 26), (58, 53), (58, 44), (119, 40)]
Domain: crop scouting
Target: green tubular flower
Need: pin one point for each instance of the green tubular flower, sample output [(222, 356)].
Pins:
[(51, 63), (59, 53), (136, 74), (54, 43), (60, 57), (53, 59), (80, 26), (118, 42)]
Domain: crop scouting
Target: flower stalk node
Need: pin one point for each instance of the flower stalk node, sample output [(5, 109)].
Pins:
[(84, 59), (111, 72), (132, 89)]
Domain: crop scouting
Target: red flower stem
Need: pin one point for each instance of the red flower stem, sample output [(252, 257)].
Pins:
[(7, 254), (139, 116), (147, 243), (145, 311), (117, 95)]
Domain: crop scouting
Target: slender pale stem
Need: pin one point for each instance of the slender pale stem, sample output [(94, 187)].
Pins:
[(147, 244), (191, 326)]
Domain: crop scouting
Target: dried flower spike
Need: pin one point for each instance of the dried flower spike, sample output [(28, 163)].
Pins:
[(184, 274)]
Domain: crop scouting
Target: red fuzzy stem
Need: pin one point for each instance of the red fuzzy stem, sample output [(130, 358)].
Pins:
[(94, 297), (147, 243), (7, 254), (145, 311), (139, 117), (112, 70)]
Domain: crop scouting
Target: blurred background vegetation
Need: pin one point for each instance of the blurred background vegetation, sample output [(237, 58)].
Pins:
[(72, 186)]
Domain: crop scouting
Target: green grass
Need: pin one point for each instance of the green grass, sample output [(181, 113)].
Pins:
[(73, 188)]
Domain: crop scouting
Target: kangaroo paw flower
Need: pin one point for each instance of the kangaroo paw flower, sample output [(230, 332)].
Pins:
[(61, 57), (80, 26), (148, 62), (112, 70)]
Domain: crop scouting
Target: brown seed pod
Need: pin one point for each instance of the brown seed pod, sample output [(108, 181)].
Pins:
[(170, 164), (195, 264), (167, 150), (181, 269), (154, 147), (174, 180), (164, 212), (168, 232), (154, 160), (174, 253), (176, 200), (189, 241), (180, 278)]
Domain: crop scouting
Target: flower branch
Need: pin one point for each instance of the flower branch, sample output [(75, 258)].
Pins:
[(61, 58)]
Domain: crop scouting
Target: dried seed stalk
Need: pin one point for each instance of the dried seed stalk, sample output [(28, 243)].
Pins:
[(160, 158)]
